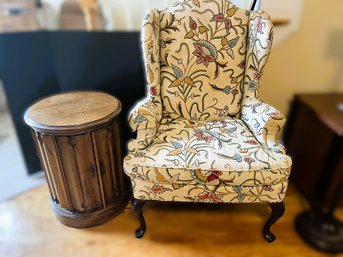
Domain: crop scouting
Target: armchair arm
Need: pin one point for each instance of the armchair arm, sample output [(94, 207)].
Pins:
[(264, 121), (146, 114), (145, 118)]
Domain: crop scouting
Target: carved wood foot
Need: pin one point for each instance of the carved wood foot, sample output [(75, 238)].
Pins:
[(278, 209), (137, 207)]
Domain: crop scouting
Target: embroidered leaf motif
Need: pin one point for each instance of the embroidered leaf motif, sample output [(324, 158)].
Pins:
[(230, 12), (177, 145), (257, 125), (177, 71), (192, 150), (190, 34), (218, 18), (189, 81), (144, 112), (150, 75), (243, 150), (228, 25), (175, 83), (224, 41), (234, 80), (202, 29), (198, 176), (192, 24), (178, 186), (174, 152), (238, 190), (230, 53), (249, 160), (159, 189), (140, 118), (237, 157), (233, 42), (159, 176), (233, 129), (196, 3)]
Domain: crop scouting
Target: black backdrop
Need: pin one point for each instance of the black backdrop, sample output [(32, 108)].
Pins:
[(37, 64)]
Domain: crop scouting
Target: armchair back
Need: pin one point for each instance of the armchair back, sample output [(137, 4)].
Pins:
[(202, 56)]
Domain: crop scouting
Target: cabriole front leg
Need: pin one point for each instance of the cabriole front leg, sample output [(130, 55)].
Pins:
[(278, 209), (137, 206)]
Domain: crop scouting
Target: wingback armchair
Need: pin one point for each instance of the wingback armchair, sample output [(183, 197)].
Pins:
[(203, 134)]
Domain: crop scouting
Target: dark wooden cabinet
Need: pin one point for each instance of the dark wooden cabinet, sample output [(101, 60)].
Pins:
[(314, 138)]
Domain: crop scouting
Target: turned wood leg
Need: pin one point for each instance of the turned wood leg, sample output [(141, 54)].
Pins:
[(278, 209), (137, 206)]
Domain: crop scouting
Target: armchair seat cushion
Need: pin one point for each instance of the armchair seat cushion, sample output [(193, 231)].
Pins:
[(215, 153)]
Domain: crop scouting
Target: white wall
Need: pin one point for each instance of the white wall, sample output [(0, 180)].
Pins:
[(311, 60), (128, 14)]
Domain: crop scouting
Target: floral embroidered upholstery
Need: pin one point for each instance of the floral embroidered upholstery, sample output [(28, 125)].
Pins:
[(208, 153), (203, 134), (203, 59)]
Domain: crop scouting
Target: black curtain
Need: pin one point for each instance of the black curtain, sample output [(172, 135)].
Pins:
[(37, 64)]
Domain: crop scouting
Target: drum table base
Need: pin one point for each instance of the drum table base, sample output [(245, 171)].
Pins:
[(78, 141), (89, 219)]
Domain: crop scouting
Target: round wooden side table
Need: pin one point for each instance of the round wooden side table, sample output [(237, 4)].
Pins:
[(77, 137)]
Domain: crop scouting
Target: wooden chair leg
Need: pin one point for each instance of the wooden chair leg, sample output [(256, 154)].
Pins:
[(137, 206), (278, 209)]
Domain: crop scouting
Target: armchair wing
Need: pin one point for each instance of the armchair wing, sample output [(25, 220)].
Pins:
[(146, 114), (262, 119)]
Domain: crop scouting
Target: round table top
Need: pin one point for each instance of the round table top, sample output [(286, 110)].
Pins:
[(72, 111)]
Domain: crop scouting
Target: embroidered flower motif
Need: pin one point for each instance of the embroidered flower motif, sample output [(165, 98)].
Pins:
[(228, 25), (251, 142), (235, 92), (259, 25), (215, 174), (227, 90), (223, 122), (201, 137), (218, 18), (192, 24), (206, 52), (257, 76), (209, 197), (268, 188), (241, 64), (153, 90), (159, 189), (252, 86), (249, 161), (273, 114)]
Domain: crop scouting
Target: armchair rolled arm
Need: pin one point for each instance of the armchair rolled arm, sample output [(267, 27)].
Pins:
[(145, 118), (146, 114), (264, 121)]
